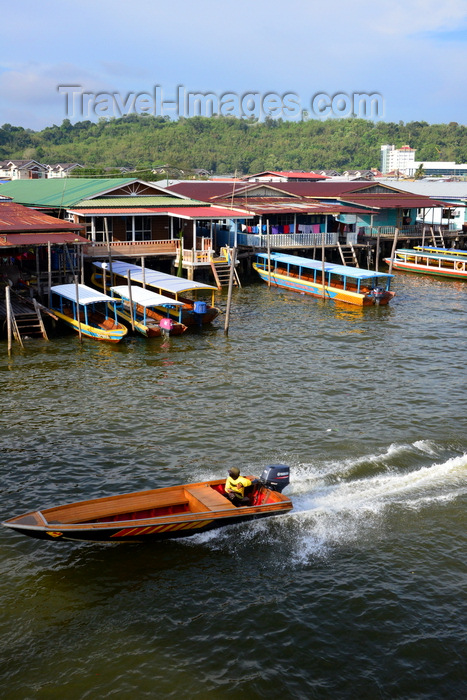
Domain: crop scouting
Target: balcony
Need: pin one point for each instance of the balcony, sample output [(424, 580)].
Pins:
[(123, 249)]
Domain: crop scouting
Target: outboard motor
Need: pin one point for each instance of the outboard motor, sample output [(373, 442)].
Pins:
[(166, 324), (276, 477), (200, 307), (377, 293)]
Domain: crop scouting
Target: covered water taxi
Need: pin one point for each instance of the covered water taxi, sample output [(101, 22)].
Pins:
[(352, 285), (443, 263), (87, 311), (141, 309), (194, 311)]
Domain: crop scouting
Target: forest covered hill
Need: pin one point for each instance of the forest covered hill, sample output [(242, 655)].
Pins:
[(229, 144)]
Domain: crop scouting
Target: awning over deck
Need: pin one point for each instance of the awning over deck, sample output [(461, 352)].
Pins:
[(161, 280), (86, 295), (144, 297)]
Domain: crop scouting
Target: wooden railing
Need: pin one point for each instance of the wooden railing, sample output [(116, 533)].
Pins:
[(131, 248), (286, 240), (416, 231), (195, 257)]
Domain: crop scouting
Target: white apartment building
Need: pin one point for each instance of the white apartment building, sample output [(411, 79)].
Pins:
[(397, 159)]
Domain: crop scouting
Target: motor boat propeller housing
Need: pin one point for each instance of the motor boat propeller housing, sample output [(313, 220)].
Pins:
[(276, 477)]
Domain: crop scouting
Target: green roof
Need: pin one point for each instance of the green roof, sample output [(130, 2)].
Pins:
[(58, 192), (138, 201)]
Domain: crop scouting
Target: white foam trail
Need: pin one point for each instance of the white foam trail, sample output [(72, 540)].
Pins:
[(342, 512), (333, 506)]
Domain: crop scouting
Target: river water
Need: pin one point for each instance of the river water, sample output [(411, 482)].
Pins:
[(359, 592)]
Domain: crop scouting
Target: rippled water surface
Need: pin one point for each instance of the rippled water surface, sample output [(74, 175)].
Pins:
[(359, 592)]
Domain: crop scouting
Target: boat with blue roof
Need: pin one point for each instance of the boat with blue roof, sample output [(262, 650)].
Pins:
[(440, 262), (352, 285)]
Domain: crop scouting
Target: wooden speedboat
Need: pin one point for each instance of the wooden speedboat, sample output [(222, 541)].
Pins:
[(159, 514), (141, 309), (352, 285), (444, 263), (194, 311), (87, 311)]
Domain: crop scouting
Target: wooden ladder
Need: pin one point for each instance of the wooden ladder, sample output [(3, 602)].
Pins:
[(437, 236), (221, 272), (347, 253), (29, 324)]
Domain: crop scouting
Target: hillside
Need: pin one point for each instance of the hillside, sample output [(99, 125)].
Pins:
[(228, 144)]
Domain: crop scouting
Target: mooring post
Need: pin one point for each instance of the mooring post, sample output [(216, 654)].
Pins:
[(323, 273), (229, 293), (393, 251), (8, 316), (130, 297), (78, 318), (269, 252)]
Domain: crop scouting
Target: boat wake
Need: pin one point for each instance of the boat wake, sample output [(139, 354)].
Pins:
[(342, 503)]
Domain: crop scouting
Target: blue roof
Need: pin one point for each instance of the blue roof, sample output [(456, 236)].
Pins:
[(344, 270)]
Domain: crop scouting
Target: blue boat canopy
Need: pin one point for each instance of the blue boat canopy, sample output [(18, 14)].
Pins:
[(344, 270), (86, 295), (144, 297), (161, 280)]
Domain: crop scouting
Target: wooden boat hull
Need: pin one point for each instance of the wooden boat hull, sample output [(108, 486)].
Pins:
[(458, 271), (159, 514), (108, 331), (187, 317), (151, 329), (304, 286)]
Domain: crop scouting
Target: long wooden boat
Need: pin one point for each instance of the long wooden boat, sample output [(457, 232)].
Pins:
[(159, 514), (87, 310), (352, 285), (441, 251), (441, 264), (195, 312), (139, 309)]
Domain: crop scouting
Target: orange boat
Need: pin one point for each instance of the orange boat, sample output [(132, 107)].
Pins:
[(159, 514)]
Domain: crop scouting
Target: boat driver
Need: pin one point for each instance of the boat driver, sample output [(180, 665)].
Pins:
[(235, 487)]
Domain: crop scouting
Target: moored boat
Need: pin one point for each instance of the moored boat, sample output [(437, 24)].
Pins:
[(352, 285), (158, 514), (195, 312), (140, 308), (87, 311), (421, 261)]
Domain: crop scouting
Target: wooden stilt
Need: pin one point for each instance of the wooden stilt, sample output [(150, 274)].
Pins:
[(229, 293)]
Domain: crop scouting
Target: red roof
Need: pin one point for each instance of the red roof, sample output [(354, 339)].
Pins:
[(183, 212), (17, 218), (13, 240), (284, 173)]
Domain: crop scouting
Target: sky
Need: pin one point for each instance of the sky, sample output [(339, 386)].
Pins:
[(391, 60)]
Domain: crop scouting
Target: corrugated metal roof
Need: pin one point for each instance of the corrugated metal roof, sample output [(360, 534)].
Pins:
[(15, 218), (190, 213), (15, 240), (144, 297), (395, 201), (140, 201), (86, 295), (58, 192), (160, 280)]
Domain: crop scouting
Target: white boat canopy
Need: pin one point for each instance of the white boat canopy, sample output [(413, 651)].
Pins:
[(86, 295), (161, 280), (144, 297)]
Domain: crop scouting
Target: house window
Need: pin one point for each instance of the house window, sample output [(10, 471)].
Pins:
[(138, 228), (99, 229)]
